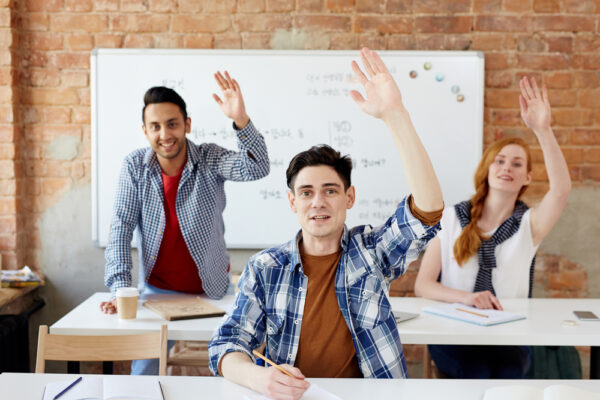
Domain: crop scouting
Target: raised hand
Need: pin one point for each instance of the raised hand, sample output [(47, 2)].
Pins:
[(232, 104), (535, 108), (383, 95)]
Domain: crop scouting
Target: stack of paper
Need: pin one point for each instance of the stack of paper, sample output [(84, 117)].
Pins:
[(472, 315)]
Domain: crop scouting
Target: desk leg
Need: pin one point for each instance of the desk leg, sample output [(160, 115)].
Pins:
[(595, 362), (107, 367), (73, 367)]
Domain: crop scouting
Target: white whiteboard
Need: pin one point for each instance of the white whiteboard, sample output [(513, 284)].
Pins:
[(296, 99)]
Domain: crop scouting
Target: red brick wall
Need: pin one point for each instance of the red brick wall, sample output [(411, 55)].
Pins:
[(11, 199), (49, 43)]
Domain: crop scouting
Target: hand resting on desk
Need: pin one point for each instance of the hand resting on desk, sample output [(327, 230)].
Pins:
[(483, 300), (109, 307)]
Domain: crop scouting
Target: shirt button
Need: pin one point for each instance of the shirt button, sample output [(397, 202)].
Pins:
[(300, 289), (296, 322), (270, 330), (290, 356), (243, 136), (364, 292), (153, 257)]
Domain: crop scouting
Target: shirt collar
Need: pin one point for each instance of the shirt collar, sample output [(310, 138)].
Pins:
[(295, 258)]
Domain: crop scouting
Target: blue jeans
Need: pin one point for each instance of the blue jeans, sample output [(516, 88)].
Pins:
[(481, 362), (150, 366)]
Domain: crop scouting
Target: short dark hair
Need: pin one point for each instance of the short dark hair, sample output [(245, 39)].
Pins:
[(162, 94), (320, 155)]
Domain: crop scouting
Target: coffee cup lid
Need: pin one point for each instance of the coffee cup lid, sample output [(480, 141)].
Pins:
[(127, 292)]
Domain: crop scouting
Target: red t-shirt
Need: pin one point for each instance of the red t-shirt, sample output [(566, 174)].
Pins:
[(175, 268)]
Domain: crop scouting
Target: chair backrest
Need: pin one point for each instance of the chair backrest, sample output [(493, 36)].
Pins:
[(101, 348)]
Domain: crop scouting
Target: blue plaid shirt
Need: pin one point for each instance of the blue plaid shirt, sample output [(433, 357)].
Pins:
[(199, 206), (269, 306)]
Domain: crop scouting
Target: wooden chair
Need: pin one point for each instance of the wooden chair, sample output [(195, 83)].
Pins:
[(101, 348)]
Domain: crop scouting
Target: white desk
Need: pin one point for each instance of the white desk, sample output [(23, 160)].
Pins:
[(543, 325), (31, 387), (87, 319)]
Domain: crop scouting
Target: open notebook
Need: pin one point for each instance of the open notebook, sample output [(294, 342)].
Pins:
[(107, 388), (554, 392), (314, 392), (472, 315)]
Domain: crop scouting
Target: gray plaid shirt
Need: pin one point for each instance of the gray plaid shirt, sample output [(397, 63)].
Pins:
[(199, 206)]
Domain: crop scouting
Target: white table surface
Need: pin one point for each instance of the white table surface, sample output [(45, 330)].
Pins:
[(543, 325), (31, 387), (87, 319)]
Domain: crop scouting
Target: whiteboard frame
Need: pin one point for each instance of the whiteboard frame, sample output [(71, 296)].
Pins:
[(479, 100)]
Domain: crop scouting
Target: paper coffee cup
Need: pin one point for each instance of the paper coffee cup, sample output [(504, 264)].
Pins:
[(127, 299)]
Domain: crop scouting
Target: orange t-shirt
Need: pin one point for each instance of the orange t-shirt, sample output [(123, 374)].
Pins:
[(326, 348)]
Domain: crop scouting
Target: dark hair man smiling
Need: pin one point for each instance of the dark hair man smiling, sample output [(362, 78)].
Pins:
[(319, 301)]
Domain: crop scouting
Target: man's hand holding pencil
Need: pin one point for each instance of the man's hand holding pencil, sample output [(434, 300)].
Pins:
[(282, 381)]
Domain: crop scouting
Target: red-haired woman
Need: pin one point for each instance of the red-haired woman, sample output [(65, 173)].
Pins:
[(486, 248)]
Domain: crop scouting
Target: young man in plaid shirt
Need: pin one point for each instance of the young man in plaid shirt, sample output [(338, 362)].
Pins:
[(173, 193), (319, 301)]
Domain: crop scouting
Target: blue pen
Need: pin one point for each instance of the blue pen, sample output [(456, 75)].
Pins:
[(161, 391), (67, 388)]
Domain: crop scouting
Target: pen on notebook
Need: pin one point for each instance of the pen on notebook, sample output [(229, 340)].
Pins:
[(473, 312), (65, 390), (161, 391), (265, 359)]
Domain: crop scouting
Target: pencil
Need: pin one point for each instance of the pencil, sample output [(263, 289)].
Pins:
[(265, 359), (473, 312)]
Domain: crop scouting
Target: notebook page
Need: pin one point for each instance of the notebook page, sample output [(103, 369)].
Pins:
[(563, 392), (314, 392), (123, 387), (515, 392), (90, 387)]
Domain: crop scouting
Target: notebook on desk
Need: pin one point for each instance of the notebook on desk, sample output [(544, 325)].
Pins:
[(472, 315), (173, 309), (106, 388)]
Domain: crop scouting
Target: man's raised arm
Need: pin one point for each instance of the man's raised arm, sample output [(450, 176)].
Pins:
[(384, 101)]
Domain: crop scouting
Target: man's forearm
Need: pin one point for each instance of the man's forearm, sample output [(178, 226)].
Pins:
[(419, 171), (239, 368)]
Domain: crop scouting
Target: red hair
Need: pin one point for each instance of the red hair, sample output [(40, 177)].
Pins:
[(469, 241)]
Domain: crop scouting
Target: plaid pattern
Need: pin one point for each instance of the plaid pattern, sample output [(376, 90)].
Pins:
[(270, 303), (199, 206)]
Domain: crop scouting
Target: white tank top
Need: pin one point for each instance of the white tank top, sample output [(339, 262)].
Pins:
[(510, 278)]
